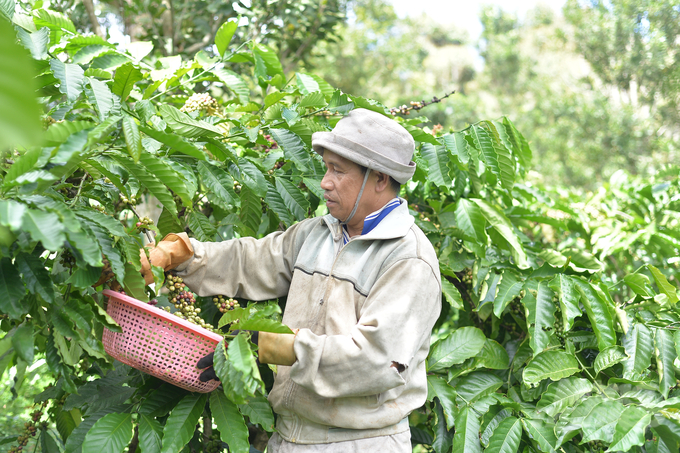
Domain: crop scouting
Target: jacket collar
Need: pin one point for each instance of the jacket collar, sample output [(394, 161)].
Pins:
[(395, 225)]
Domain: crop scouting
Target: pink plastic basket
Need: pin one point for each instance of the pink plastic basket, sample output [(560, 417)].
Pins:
[(158, 343)]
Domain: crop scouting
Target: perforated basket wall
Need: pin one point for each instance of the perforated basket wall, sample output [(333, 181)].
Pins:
[(158, 343)]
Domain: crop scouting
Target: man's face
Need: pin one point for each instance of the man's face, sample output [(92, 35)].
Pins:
[(341, 184)]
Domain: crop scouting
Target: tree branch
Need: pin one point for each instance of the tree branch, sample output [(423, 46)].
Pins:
[(96, 28)]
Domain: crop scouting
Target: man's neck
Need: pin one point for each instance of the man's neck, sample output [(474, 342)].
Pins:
[(356, 225)]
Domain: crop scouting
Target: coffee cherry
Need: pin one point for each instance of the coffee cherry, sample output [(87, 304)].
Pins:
[(201, 102)]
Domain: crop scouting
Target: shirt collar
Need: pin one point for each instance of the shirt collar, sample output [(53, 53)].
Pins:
[(373, 219)]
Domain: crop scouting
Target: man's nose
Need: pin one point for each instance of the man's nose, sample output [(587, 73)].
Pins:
[(326, 183)]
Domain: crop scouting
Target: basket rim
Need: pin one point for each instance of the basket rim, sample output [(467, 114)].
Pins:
[(157, 312)]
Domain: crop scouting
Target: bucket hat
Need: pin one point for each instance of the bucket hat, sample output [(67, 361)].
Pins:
[(371, 140)]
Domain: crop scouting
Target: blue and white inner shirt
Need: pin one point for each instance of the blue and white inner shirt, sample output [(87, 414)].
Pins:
[(372, 220)]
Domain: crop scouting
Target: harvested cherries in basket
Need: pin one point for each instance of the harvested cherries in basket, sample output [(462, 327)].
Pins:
[(185, 302)]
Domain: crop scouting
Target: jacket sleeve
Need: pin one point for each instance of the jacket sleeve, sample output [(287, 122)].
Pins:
[(255, 269), (389, 341)]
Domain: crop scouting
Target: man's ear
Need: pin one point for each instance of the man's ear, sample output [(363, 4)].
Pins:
[(382, 181)]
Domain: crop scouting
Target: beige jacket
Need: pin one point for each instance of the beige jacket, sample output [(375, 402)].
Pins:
[(360, 309)]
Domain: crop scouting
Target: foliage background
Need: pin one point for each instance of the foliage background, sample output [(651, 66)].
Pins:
[(559, 245)]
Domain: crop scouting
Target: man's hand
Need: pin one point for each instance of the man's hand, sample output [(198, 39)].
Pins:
[(273, 348), (208, 361), (172, 251), (209, 374), (277, 348)]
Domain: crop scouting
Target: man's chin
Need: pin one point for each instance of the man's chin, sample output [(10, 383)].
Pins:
[(333, 210)]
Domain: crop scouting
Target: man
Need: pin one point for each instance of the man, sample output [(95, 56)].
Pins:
[(363, 289)]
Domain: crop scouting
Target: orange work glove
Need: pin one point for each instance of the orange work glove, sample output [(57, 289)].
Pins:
[(169, 253), (276, 348)]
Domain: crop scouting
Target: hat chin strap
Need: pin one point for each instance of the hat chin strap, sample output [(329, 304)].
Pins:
[(356, 205)]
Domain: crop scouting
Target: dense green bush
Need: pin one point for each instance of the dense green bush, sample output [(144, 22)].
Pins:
[(559, 328)]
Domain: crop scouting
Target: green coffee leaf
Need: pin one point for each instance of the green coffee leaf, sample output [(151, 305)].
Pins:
[(110, 434), (259, 412), (640, 285), (35, 42), (293, 148), (276, 203), (439, 388), (186, 126), (167, 175), (20, 114), (598, 312), (609, 357), (569, 297), (562, 394), (201, 227), (600, 422), (462, 344), (270, 59), (469, 218), (224, 35), (175, 143), (85, 247), (230, 423), (313, 100), (306, 84), (452, 295), (168, 223), (466, 437), (438, 163), (506, 436), (506, 163), (664, 286), (12, 289), (638, 342), (509, 288), (149, 181), (541, 316), (23, 343), (665, 356), (237, 371), (493, 356), (457, 146), (161, 401), (124, 80), (541, 433), (53, 20), (630, 429), (35, 276), (582, 261), (262, 325), (233, 82), (133, 139), (251, 176), (180, 426), (502, 225), (71, 78), (134, 283), (251, 210), (520, 145), (101, 97), (219, 182), (293, 198), (477, 385), (550, 364), (48, 443), (443, 438), (150, 434)]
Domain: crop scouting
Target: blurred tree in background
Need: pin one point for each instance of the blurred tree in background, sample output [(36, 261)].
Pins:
[(292, 27), (595, 89), (595, 92)]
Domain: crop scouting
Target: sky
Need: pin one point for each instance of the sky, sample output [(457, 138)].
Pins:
[(464, 13)]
